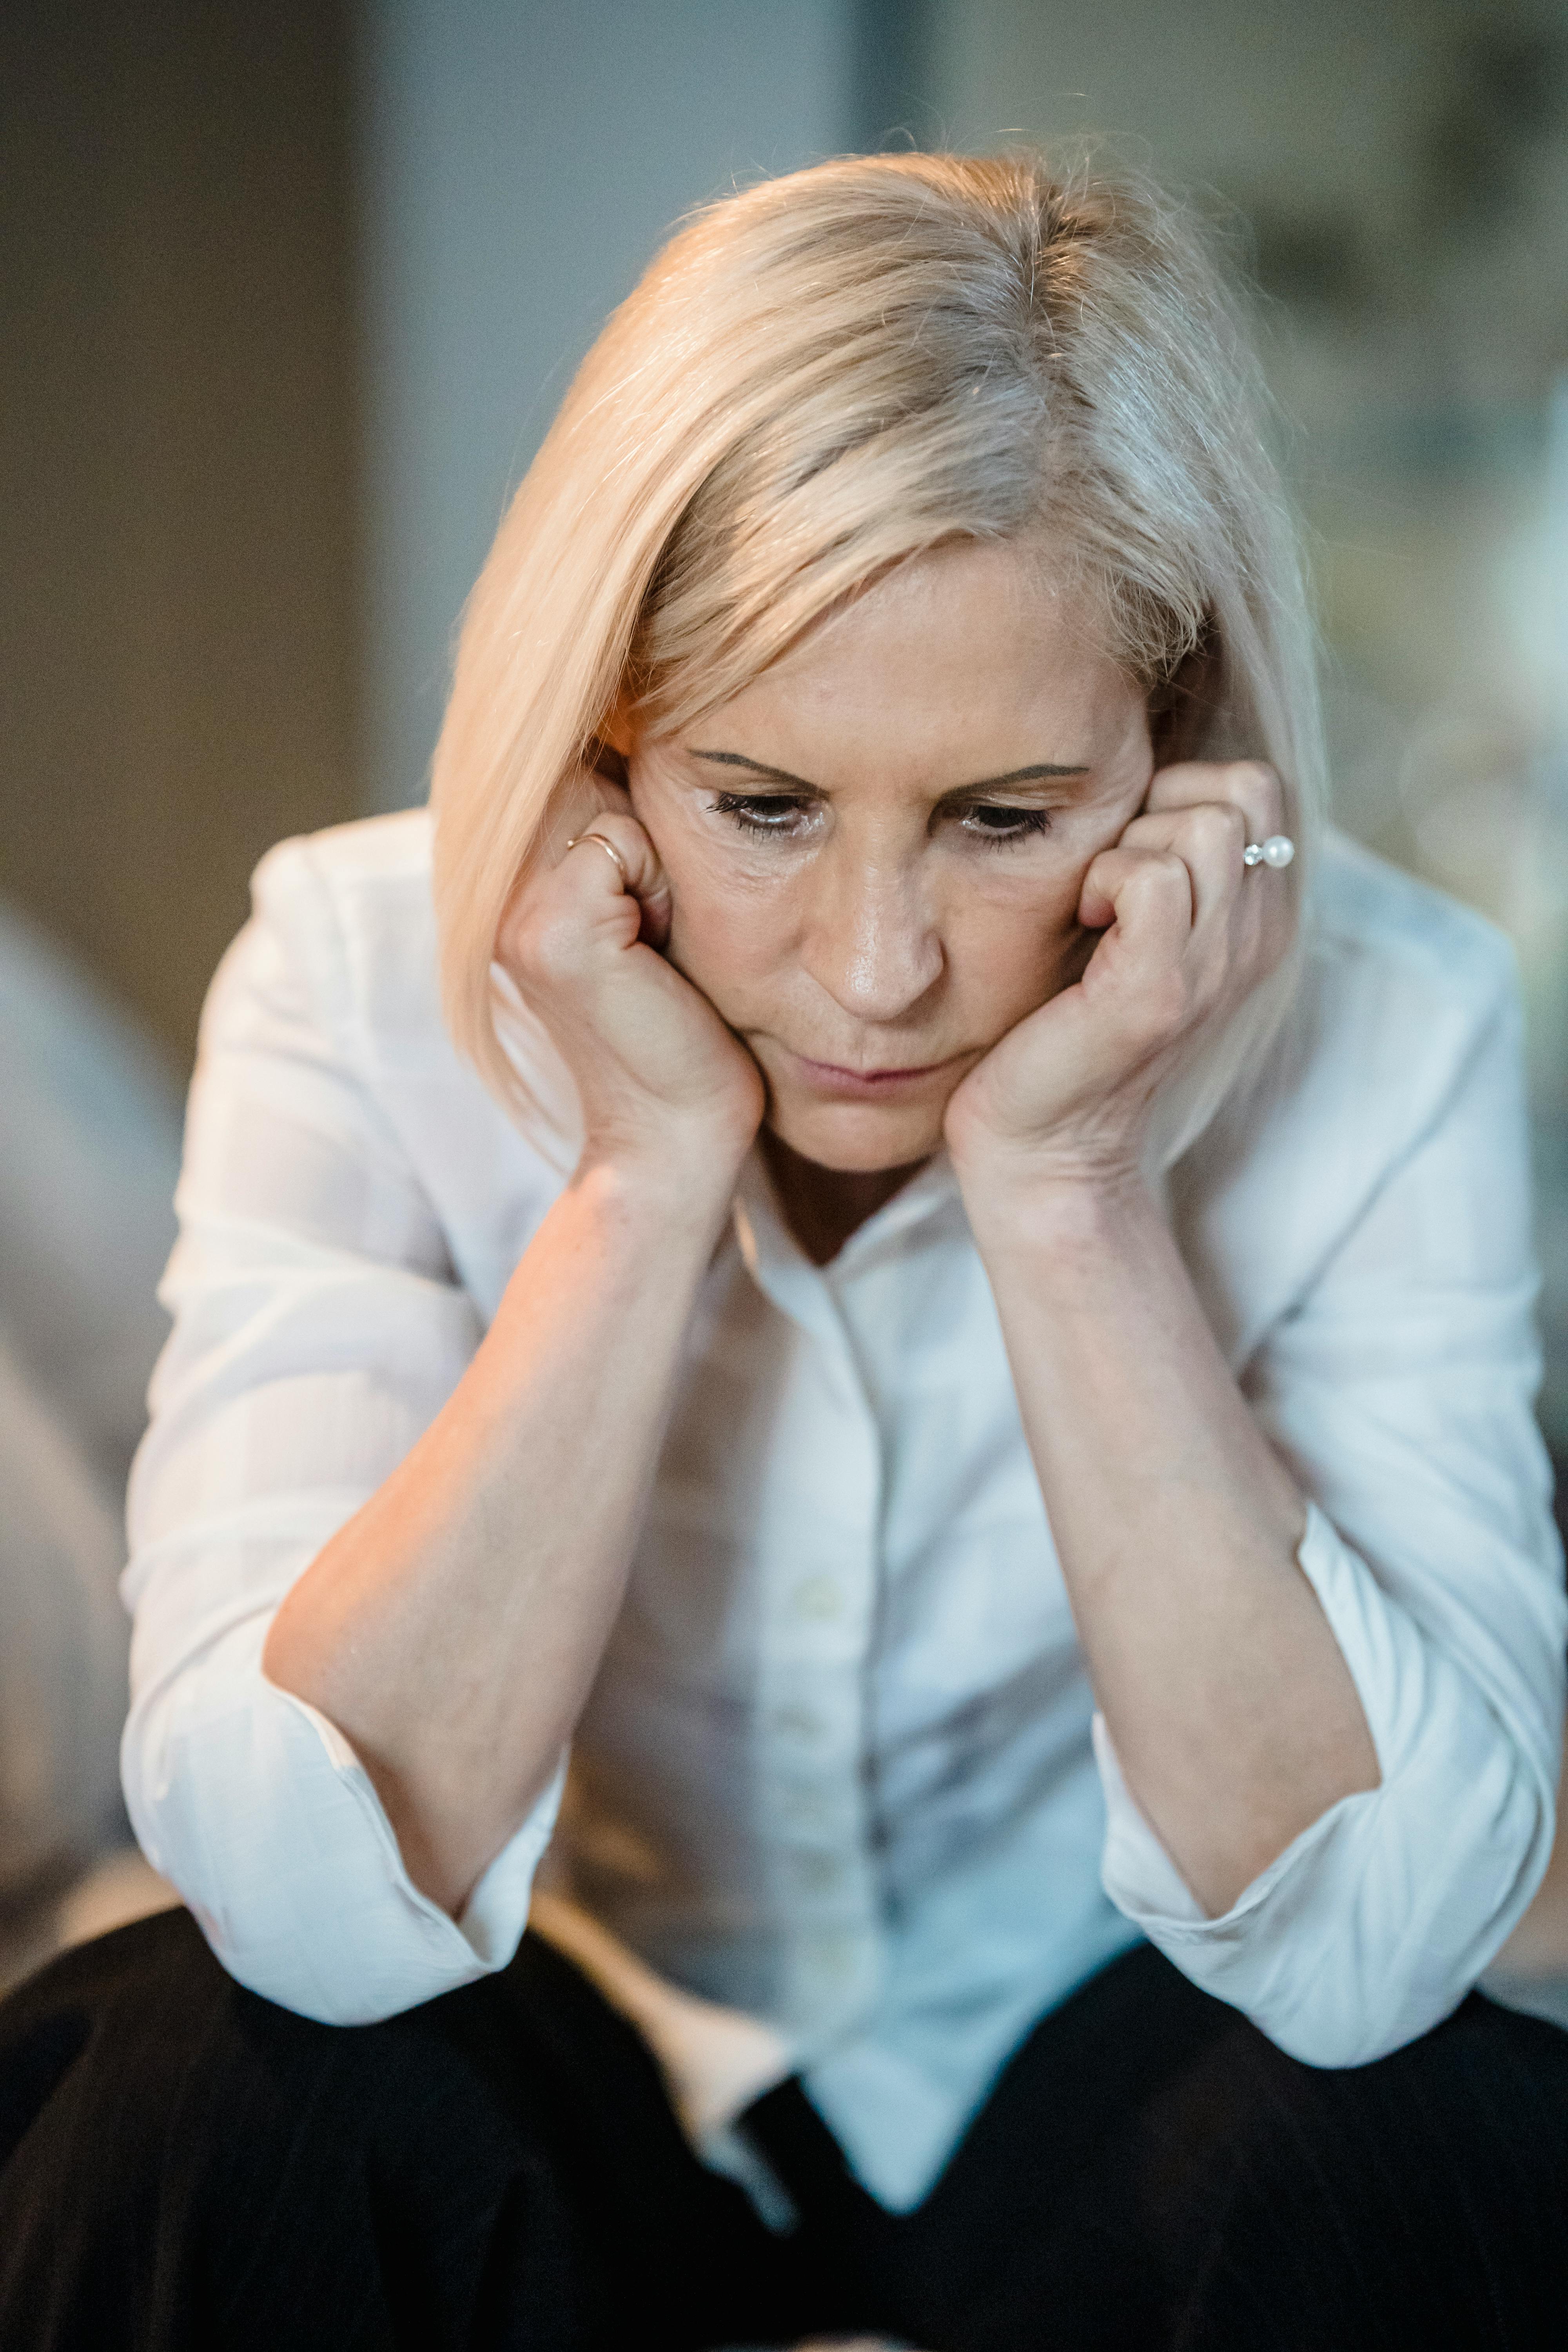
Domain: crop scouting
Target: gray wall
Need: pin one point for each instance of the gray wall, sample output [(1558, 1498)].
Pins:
[(176, 470), (520, 163)]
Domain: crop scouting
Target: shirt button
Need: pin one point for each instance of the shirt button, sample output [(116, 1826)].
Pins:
[(817, 1596)]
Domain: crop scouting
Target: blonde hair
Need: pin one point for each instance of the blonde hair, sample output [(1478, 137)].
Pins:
[(829, 373)]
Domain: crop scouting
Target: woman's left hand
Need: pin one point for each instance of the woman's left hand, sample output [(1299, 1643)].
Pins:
[(1177, 1526), (1188, 932)]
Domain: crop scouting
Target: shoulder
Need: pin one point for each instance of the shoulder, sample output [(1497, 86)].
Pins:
[(368, 855), (1406, 997), (351, 907), (1373, 926), (1401, 987), (338, 973)]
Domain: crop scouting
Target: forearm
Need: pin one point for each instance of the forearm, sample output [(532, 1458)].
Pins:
[(1231, 1707), (452, 1629)]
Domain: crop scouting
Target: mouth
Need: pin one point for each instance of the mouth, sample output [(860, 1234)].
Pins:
[(832, 1080)]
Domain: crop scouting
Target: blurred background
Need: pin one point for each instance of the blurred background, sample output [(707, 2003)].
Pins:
[(291, 295)]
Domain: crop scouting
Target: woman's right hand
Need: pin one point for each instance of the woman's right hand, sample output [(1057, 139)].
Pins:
[(663, 1085), (453, 1628)]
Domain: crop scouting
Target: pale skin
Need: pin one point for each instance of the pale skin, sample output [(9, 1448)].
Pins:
[(932, 842)]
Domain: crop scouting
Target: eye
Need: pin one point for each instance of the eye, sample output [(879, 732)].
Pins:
[(997, 827), (779, 814)]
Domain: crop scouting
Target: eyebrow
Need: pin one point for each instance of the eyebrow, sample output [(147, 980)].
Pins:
[(986, 784)]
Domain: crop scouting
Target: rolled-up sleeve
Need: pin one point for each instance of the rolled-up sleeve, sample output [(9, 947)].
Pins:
[(1400, 1388), (319, 1328)]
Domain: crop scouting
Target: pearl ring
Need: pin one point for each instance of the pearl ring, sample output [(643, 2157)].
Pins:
[(1277, 851)]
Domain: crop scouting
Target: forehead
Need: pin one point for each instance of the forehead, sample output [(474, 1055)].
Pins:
[(966, 653)]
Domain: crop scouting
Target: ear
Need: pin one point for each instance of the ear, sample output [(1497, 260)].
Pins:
[(602, 762), (606, 760), (1180, 711), (610, 746)]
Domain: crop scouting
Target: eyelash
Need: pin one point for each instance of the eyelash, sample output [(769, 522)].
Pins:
[(1024, 826), (747, 811)]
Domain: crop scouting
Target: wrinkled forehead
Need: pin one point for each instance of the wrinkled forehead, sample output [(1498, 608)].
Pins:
[(968, 648)]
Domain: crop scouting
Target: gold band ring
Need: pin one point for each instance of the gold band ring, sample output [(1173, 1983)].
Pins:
[(609, 849)]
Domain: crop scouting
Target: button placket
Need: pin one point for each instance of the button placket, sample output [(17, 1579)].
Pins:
[(820, 1598), (814, 1652)]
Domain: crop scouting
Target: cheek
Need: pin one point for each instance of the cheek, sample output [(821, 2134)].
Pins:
[(724, 929), (1012, 950), (725, 935)]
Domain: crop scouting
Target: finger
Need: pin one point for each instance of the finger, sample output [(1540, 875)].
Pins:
[(597, 880), (1242, 916), (1209, 837), (1250, 785), (1147, 893), (1140, 968)]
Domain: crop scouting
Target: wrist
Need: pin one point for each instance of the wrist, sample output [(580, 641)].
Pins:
[(1095, 1152), (672, 1184), (1060, 1203)]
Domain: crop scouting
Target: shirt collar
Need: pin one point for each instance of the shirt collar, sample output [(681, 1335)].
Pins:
[(775, 1259)]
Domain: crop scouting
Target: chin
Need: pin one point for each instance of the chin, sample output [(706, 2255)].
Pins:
[(860, 1139)]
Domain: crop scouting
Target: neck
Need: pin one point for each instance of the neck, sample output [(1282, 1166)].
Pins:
[(823, 1206)]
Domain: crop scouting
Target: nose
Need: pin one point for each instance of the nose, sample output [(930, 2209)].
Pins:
[(870, 941)]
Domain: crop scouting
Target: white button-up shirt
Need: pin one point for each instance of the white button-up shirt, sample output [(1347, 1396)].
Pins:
[(839, 1800)]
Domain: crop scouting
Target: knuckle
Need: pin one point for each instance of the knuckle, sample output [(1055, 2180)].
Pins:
[(623, 830), (546, 945), (513, 938), (1152, 876), (524, 962), (1219, 825), (1266, 796)]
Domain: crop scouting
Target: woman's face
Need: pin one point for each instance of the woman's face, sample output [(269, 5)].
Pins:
[(875, 851)]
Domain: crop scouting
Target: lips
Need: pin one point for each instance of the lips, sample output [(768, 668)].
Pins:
[(833, 1078)]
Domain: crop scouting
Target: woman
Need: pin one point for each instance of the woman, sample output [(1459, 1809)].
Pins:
[(969, 1364)]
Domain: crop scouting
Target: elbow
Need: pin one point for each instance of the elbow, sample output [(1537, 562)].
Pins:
[(1436, 1898), (263, 1817), (1335, 2042)]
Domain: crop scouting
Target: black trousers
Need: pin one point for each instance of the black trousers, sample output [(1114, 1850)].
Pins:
[(184, 2166)]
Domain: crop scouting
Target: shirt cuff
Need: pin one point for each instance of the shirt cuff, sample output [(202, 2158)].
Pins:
[(257, 1808), (492, 1920), (1137, 1872), (1374, 1922), (1145, 1884)]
